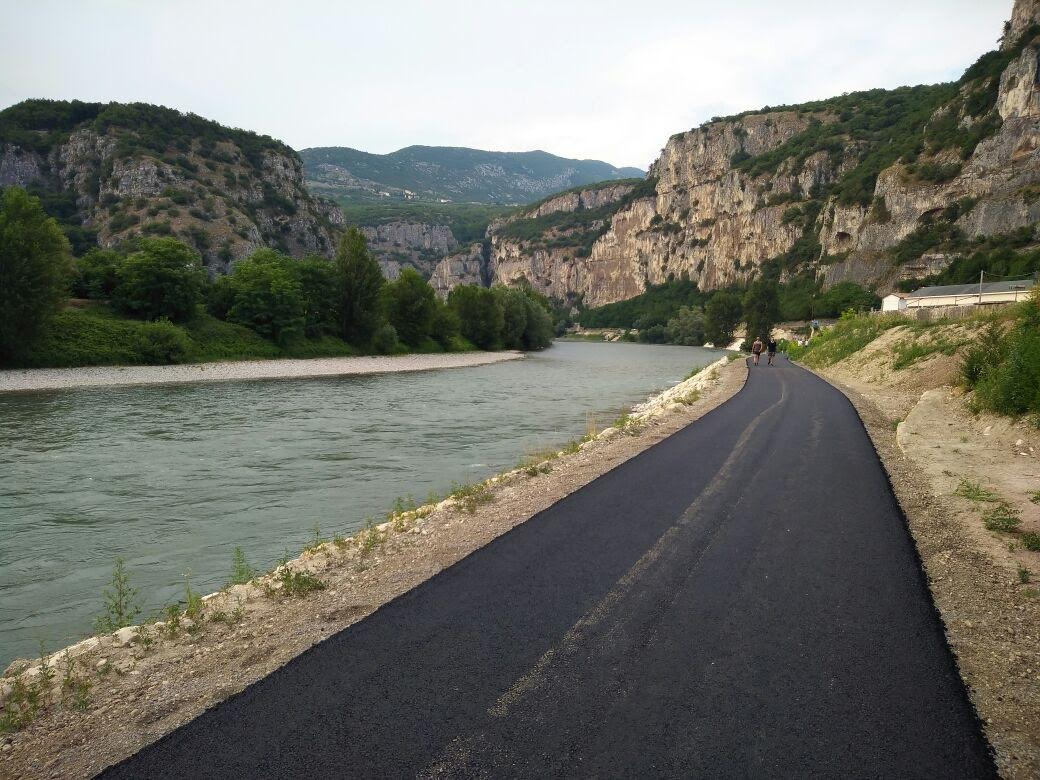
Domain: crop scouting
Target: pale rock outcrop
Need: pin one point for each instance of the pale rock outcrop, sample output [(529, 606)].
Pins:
[(468, 267)]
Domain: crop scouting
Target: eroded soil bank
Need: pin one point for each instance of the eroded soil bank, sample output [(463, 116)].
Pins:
[(108, 696), (950, 470)]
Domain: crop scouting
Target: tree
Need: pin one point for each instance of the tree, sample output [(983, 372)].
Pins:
[(761, 308), (163, 278), (317, 278), (722, 314), (539, 331), (410, 304), (686, 328), (446, 327), (360, 283), (514, 315), (97, 272), (34, 271), (266, 295), (480, 316), (844, 296)]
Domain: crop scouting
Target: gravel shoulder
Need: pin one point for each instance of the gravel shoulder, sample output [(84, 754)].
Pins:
[(983, 582), (143, 682), (34, 379)]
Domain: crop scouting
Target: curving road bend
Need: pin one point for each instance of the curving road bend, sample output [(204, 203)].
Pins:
[(742, 600)]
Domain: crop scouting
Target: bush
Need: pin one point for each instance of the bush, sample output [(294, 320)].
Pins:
[(384, 341), (161, 343), (96, 273), (686, 328), (34, 271), (164, 278)]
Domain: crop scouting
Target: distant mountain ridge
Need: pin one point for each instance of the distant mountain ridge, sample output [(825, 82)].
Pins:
[(455, 174)]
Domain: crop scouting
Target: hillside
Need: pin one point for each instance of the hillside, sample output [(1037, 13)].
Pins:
[(877, 187), (448, 174), (113, 171)]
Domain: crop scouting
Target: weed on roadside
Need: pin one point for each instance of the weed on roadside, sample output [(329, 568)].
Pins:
[(369, 538), (22, 705), (1031, 541), (973, 491), (120, 602), (690, 398), (469, 497), (298, 583), (1035, 497), (1002, 518), (316, 540), (1024, 576), (241, 571), (75, 690)]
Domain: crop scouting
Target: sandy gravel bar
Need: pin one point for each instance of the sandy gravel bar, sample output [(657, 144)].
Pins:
[(104, 376)]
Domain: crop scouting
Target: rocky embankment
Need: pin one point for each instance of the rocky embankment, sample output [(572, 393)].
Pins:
[(96, 702), (951, 468), (119, 171)]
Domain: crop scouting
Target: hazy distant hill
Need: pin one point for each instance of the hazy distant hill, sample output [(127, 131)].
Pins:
[(440, 173)]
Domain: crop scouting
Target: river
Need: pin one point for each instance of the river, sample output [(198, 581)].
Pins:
[(173, 477)]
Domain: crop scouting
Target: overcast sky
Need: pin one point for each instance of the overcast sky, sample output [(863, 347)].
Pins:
[(602, 79)]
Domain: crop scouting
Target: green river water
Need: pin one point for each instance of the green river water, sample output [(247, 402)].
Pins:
[(173, 477)]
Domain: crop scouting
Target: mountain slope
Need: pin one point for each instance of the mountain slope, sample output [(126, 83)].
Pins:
[(450, 174), (113, 171), (874, 187)]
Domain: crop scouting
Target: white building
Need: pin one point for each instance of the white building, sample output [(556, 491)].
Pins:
[(959, 295)]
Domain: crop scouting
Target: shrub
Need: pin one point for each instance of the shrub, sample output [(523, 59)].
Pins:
[(164, 278), (96, 273), (161, 343), (265, 295), (385, 339)]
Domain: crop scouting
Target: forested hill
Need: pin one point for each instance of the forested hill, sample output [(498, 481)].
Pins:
[(458, 175), (110, 172)]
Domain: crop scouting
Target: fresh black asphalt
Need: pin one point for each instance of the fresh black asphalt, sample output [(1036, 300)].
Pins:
[(741, 600)]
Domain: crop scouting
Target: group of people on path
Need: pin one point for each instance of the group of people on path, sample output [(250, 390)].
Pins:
[(768, 346)]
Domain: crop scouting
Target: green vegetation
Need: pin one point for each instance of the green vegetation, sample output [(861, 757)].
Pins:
[(1004, 256), (1003, 518), (40, 125), (120, 602), (468, 221), (658, 304), (850, 334), (432, 173), (241, 571), (722, 315), (761, 308), (146, 305), (34, 272), (1003, 368), (973, 491), (295, 584), (469, 497)]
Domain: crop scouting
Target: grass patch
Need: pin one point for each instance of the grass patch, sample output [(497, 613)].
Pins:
[(241, 571), (690, 398), (1002, 518), (909, 352), (848, 336), (469, 497), (295, 584), (1031, 541), (974, 492)]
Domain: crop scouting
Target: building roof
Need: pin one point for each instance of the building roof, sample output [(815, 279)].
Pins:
[(897, 295), (972, 289)]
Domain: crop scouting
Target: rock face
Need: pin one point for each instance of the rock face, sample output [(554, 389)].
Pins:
[(799, 190), (414, 244), (469, 267), (225, 192)]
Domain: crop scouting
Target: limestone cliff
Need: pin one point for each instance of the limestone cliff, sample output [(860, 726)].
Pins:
[(468, 267), (414, 244), (118, 171), (871, 187)]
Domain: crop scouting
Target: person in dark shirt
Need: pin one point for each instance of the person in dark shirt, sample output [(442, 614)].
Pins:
[(771, 349)]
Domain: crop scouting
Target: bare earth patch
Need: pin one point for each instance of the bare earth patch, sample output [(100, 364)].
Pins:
[(143, 683), (949, 469)]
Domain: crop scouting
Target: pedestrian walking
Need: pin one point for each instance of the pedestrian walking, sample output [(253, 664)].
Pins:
[(771, 349), (756, 349)]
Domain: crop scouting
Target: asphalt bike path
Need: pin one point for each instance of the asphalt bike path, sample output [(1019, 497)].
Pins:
[(741, 600)]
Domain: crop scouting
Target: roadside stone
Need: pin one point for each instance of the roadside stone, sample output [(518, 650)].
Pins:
[(124, 636)]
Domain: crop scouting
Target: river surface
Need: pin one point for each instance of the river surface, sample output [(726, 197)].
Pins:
[(174, 477)]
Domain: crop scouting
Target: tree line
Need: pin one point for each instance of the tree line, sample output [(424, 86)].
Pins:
[(284, 300)]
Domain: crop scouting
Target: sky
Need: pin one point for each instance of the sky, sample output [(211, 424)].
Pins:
[(590, 79)]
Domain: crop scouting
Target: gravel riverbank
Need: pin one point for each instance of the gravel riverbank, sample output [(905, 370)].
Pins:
[(23, 380)]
